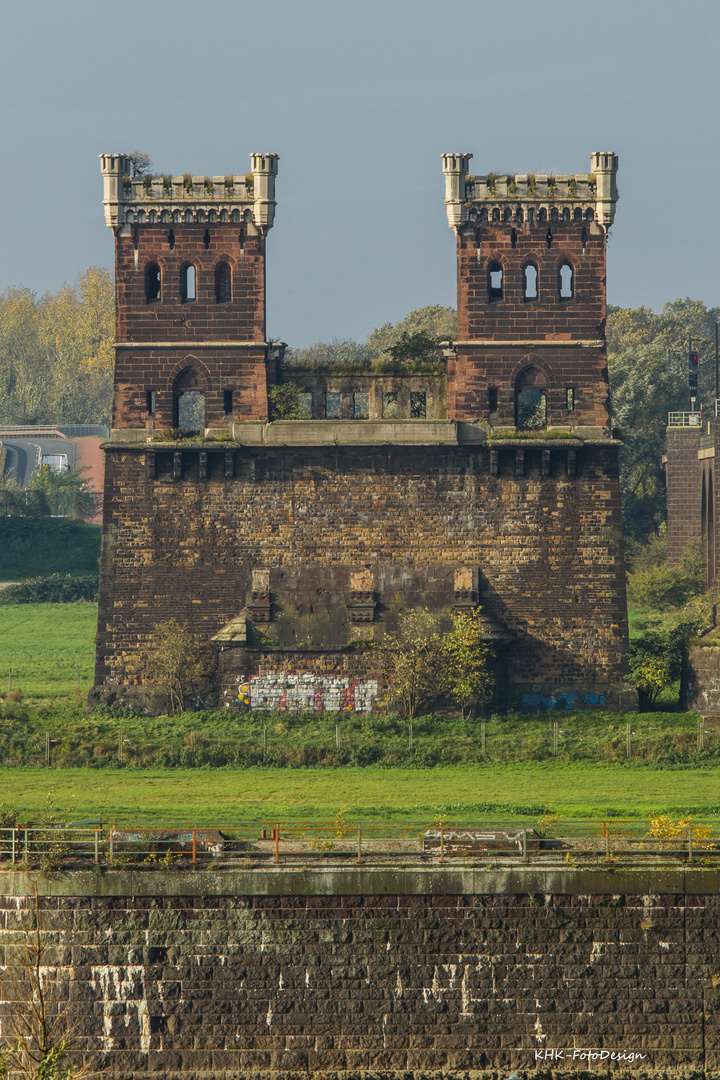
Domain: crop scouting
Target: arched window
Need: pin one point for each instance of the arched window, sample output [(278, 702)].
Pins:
[(566, 213), (152, 283), (223, 283), (495, 281), (577, 214), (530, 282), (187, 283), (565, 281), (589, 214), (496, 214), (554, 214), (189, 403), (531, 400), (507, 214), (542, 216)]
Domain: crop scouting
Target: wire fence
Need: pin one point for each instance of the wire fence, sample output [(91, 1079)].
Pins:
[(341, 842)]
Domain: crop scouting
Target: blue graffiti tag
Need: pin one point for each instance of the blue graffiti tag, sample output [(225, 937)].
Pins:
[(594, 699), (536, 702)]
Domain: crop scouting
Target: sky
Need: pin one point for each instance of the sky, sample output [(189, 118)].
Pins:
[(360, 98)]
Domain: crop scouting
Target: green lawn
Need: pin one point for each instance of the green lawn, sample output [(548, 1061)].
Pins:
[(463, 792), (45, 644)]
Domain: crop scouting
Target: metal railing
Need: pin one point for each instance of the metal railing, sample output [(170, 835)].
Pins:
[(685, 419), (340, 842)]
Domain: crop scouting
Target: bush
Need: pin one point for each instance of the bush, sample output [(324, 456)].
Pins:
[(654, 584), (54, 589)]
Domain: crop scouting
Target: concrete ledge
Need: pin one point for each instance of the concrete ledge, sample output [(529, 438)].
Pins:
[(359, 881)]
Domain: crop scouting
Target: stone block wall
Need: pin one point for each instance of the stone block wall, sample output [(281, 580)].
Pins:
[(182, 543), (167, 979), (683, 490)]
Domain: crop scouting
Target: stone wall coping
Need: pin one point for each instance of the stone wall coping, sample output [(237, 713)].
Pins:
[(342, 881), (352, 433)]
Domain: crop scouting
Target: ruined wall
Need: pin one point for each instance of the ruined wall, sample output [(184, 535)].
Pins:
[(183, 535), (683, 477), (445, 974)]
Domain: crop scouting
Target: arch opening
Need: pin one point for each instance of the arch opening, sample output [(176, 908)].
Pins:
[(531, 400), (530, 282), (495, 281), (152, 283), (189, 403)]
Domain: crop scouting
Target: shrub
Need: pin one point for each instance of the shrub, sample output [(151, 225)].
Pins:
[(54, 589)]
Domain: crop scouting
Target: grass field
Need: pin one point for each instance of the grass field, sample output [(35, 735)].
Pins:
[(45, 644), (522, 793)]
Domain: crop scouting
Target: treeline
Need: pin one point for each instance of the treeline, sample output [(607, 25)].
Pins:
[(56, 352)]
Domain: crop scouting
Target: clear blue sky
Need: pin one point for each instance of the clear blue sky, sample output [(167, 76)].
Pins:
[(359, 98)]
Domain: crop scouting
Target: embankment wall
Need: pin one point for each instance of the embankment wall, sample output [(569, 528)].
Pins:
[(376, 973)]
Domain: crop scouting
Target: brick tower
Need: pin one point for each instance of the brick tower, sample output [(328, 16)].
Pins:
[(531, 350), (190, 291)]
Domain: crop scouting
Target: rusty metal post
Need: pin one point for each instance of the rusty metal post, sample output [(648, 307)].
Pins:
[(442, 844), (359, 851), (194, 846), (97, 845), (277, 843), (524, 846), (690, 852), (607, 840), (14, 842), (482, 737)]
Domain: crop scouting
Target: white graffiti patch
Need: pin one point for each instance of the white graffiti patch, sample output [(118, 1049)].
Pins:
[(279, 691)]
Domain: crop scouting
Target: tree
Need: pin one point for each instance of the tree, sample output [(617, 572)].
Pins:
[(436, 322), (411, 662), (140, 164), (285, 402), (465, 651), (177, 662), (37, 1033), (656, 661)]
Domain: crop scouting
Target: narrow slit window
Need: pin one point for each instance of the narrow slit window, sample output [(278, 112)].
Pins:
[(227, 401), (332, 406), (223, 283), (492, 398), (418, 405), (361, 405), (150, 402), (566, 281), (530, 282), (187, 283), (570, 399), (152, 282), (390, 405), (495, 282)]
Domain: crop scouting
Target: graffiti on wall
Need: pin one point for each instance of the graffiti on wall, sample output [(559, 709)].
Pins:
[(278, 691), (567, 702)]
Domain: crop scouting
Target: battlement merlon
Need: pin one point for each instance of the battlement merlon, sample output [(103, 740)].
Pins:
[(466, 196), (188, 199)]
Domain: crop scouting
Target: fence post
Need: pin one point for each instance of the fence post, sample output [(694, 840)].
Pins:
[(47, 749), (27, 852), (97, 845), (112, 847), (359, 851), (410, 743), (628, 742), (9, 678), (337, 736), (482, 737), (524, 845), (265, 741), (556, 733), (277, 843), (606, 829), (194, 847), (14, 842), (442, 844), (690, 852)]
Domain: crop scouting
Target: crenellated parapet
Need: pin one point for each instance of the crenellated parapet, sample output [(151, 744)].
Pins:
[(530, 197), (189, 199)]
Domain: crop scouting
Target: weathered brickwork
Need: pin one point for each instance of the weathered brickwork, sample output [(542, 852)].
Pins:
[(398, 490), (548, 548), (369, 986), (683, 477)]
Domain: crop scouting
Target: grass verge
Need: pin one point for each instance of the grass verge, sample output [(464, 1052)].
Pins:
[(516, 792)]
